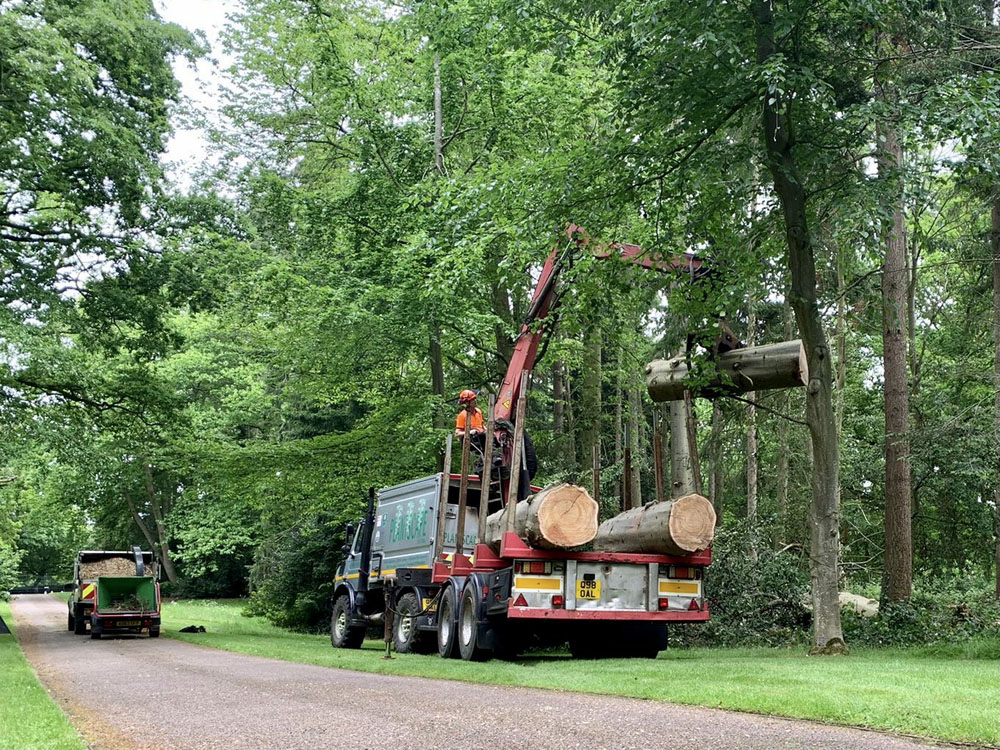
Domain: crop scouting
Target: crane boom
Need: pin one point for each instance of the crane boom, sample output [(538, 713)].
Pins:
[(526, 349)]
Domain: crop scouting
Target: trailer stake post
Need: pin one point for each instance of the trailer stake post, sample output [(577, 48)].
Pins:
[(517, 456), (463, 487), (443, 500), (484, 490)]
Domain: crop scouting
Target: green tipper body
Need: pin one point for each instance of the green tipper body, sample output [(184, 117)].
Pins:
[(131, 595)]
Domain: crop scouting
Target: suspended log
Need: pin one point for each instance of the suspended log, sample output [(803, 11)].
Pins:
[(674, 527), (559, 517), (754, 368)]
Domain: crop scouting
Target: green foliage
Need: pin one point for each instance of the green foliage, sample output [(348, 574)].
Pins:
[(952, 609), (753, 602), (293, 576)]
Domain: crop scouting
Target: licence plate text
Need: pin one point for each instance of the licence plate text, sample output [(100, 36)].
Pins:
[(588, 589)]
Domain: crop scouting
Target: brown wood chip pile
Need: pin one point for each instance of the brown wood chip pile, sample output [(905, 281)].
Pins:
[(121, 567), (129, 603)]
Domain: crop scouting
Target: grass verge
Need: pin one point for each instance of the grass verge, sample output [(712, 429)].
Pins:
[(28, 716), (951, 694)]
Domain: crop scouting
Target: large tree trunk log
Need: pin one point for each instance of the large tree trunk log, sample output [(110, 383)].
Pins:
[(754, 368), (559, 517), (674, 527)]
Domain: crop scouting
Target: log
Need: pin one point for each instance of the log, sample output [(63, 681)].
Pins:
[(674, 527), (754, 368), (561, 516)]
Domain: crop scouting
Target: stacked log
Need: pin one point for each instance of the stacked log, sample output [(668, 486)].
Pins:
[(753, 368), (672, 527), (561, 516)]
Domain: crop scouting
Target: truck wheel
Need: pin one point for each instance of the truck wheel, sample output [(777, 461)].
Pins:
[(154, 632), (468, 627), (405, 636), (447, 609), (79, 622), (95, 628), (72, 621), (342, 634)]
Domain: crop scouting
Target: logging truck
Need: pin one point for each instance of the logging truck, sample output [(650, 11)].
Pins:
[(482, 563)]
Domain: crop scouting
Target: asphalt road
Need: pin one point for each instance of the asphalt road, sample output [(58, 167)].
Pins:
[(136, 693)]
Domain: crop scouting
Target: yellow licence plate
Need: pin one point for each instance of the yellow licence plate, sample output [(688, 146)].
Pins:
[(588, 589), (128, 623)]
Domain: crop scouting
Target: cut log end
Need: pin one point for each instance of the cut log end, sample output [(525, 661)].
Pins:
[(692, 523), (568, 519)]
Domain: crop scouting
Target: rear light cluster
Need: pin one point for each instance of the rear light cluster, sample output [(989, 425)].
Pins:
[(533, 567), (558, 600), (680, 572)]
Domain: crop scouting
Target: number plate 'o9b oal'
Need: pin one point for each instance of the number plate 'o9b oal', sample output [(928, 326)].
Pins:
[(588, 589)]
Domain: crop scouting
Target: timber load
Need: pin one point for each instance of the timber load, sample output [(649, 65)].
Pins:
[(753, 368), (681, 527), (561, 516)]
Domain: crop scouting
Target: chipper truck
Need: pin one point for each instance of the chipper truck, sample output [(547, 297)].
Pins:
[(115, 591), (481, 563)]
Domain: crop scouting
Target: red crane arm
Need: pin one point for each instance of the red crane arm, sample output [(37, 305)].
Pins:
[(526, 349)]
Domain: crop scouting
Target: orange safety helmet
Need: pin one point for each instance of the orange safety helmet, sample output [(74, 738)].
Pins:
[(466, 396)]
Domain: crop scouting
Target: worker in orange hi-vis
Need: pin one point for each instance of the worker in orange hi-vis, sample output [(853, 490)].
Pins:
[(470, 415)]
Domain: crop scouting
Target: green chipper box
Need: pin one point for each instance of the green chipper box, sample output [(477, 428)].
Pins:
[(124, 596)]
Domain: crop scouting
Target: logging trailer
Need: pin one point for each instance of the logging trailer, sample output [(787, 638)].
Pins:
[(408, 559)]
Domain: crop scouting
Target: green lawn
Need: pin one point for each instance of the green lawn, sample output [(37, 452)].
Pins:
[(951, 694), (29, 718)]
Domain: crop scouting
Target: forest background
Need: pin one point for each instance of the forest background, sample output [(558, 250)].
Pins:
[(220, 370)]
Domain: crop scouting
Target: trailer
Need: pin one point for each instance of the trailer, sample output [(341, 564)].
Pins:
[(489, 603)]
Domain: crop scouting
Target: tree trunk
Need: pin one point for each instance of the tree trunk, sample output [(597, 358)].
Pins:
[(824, 512), (161, 528), (438, 119), (898, 572), (717, 479), (620, 451), (635, 480), (841, 343), (590, 403), (437, 372), (781, 491), (681, 471), (674, 527), (559, 517), (754, 368), (995, 237)]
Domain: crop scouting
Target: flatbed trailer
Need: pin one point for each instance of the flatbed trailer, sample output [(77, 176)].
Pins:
[(498, 602)]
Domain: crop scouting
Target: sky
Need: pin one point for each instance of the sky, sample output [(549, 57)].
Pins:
[(188, 149)]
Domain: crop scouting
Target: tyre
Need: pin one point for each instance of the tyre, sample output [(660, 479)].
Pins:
[(154, 632), (342, 633), (405, 636), (447, 622), (79, 621), (468, 627), (95, 628), (72, 621)]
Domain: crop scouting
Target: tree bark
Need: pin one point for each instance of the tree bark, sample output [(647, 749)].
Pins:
[(562, 516), (824, 512), (681, 471), (898, 571), (995, 242), (161, 529), (781, 491), (674, 527)]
